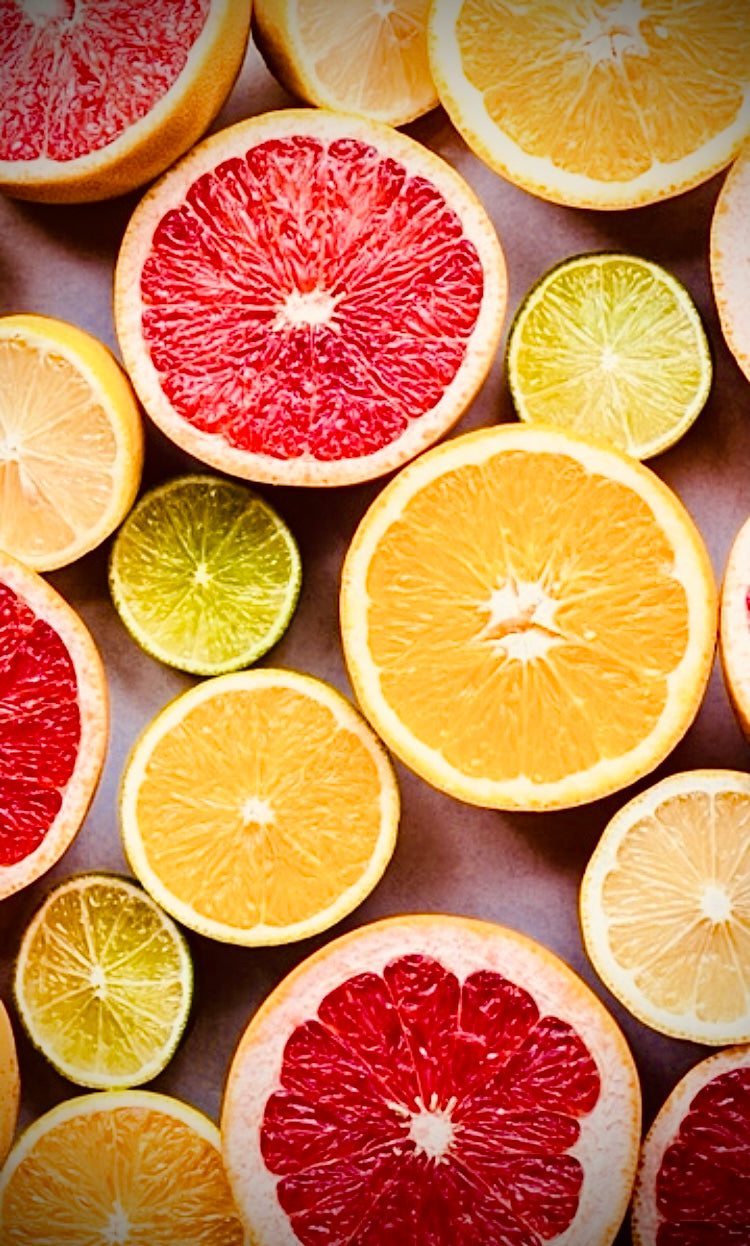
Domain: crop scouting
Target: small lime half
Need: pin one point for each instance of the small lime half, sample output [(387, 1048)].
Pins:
[(205, 574), (103, 982), (610, 346)]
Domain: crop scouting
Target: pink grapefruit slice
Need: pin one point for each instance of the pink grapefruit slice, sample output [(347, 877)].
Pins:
[(734, 627), (430, 1081), (53, 724), (96, 99), (729, 252), (309, 298)]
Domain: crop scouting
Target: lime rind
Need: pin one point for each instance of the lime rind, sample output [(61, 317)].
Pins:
[(205, 575)]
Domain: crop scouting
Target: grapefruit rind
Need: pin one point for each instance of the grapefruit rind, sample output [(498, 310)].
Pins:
[(10, 1084), (608, 1145), (169, 193), (729, 254), (734, 627)]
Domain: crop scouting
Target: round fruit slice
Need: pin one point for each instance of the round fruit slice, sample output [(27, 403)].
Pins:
[(528, 618), (53, 724), (665, 906), (98, 99), (612, 347), (205, 575), (730, 258), (124, 1166), (259, 808), (734, 627), (362, 58), (309, 298), (71, 441), (692, 1185), (103, 982), (432, 1079), (601, 105), (10, 1084)]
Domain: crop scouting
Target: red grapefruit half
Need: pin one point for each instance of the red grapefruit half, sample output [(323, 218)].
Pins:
[(53, 724), (98, 98), (309, 298), (432, 1081), (693, 1184)]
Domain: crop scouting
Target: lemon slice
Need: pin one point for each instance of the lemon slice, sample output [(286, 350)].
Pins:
[(10, 1083), (610, 346), (103, 982)]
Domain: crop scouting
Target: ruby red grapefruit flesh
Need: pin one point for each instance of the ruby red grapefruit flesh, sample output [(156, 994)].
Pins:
[(40, 727), (75, 76), (703, 1183), (311, 297), (418, 1110)]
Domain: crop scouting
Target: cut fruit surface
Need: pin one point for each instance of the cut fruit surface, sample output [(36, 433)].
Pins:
[(309, 298), (665, 906), (259, 807), (365, 58), (125, 1166), (432, 1079), (103, 982), (692, 1185), (96, 100), (734, 627), (612, 347), (71, 441), (528, 618), (53, 724), (10, 1084), (601, 104), (730, 259), (204, 574)]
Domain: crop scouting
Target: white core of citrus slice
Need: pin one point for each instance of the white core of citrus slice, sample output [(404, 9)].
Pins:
[(734, 626), (730, 259)]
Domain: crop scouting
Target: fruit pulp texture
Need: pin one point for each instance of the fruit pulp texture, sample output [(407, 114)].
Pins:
[(703, 1183), (75, 76), (40, 726), (417, 1109), (309, 298)]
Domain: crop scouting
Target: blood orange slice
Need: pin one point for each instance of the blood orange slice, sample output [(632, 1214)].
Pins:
[(96, 99), (692, 1187), (53, 724), (436, 1080), (308, 298)]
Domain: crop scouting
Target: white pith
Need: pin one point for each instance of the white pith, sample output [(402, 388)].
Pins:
[(730, 259)]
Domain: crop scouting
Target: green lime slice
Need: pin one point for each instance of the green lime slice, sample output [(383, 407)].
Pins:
[(204, 574), (103, 982), (612, 347)]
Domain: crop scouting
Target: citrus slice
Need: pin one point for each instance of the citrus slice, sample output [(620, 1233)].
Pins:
[(205, 574), (96, 100), (53, 724), (600, 105), (730, 258), (124, 1166), (665, 906), (363, 58), (259, 808), (734, 627), (692, 1179), (432, 1079), (10, 1084), (528, 618), (612, 347), (103, 982), (71, 441), (308, 298)]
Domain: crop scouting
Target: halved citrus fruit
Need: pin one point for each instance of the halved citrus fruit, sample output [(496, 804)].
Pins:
[(692, 1184), (665, 906), (53, 724), (96, 100), (365, 58), (71, 441), (309, 298), (528, 618), (600, 104), (730, 257), (610, 346), (259, 807), (10, 1084), (125, 1166), (734, 627), (432, 1079)]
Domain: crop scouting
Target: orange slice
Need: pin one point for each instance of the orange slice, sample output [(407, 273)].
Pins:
[(432, 1079), (10, 1084), (259, 807), (734, 627), (600, 103), (730, 258), (528, 618)]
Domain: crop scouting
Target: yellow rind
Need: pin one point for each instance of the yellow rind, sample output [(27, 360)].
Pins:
[(10, 1084)]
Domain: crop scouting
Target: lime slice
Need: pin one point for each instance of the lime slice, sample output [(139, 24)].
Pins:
[(205, 575), (612, 347), (103, 982)]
